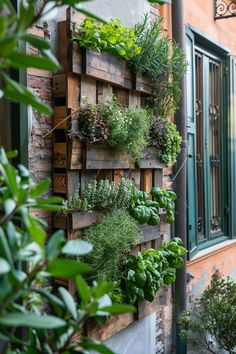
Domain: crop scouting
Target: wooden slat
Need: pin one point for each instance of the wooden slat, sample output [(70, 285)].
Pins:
[(103, 90), (143, 84), (76, 58), (63, 44), (59, 85), (60, 221), (103, 66), (134, 99), (75, 152), (157, 178), (86, 177), (59, 182), (149, 233), (101, 156), (122, 95), (112, 326), (73, 182), (146, 308), (88, 89), (81, 220), (60, 113), (134, 250), (73, 91), (135, 176), (150, 159), (128, 77), (146, 180), (59, 155)]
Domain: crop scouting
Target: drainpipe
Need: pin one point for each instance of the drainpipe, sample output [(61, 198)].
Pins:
[(180, 185)]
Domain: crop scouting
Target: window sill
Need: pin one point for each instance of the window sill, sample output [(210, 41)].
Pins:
[(219, 247)]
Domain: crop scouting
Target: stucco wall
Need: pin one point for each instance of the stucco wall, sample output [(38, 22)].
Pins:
[(200, 14)]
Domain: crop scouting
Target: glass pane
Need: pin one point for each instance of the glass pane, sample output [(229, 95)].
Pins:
[(200, 146), (215, 146)]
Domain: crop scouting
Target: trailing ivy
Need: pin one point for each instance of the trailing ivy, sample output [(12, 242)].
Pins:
[(111, 240), (147, 272), (111, 37)]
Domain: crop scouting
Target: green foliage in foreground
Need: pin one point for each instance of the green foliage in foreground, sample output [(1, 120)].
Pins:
[(147, 272), (28, 259), (211, 324)]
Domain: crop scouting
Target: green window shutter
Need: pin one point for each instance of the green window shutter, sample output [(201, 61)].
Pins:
[(232, 144), (191, 135)]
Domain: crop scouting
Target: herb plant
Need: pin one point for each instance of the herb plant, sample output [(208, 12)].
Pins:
[(166, 137), (211, 324), (111, 37), (102, 195), (147, 272), (146, 211), (165, 200), (27, 259), (125, 129), (143, 209), (111, 240), (162, 61)]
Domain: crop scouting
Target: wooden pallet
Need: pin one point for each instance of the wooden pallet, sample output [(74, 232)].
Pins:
[(88, 74)]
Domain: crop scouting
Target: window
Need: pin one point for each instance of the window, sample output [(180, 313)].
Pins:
[(208, 193)]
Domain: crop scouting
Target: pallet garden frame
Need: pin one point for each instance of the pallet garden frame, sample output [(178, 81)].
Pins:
[(75, 163)]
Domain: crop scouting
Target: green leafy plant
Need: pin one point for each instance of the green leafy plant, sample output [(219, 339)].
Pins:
[(165, 200), (102, 195), (147, 272), (210, 325), (162, 61), (111, 239), (143, 209), (111, 37), (28, 259), (166, 137), (125, 129), (12, 54), (146, 211)]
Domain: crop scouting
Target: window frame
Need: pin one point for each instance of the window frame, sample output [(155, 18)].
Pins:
[(213, 50)]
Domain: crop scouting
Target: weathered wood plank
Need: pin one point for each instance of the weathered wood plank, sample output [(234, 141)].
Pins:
[(143, 84), (146, 308), (134, 99), (101, 156), (135, 176), (151, 159), (146, 180), (59, 85), (60, 113), (112, 326), (81, 220), (60, 221), (75, 152), (128, 77), (157, 177), (63, 46), (73, 91), (86, 177), (59, 155), (122, 95), (73, 182), (59, 182), (149, 233), (103, 90), (88, 89), (103, 66)]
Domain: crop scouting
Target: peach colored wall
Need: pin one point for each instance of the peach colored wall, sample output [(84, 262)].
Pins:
[(200, 14), (201, 269)]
